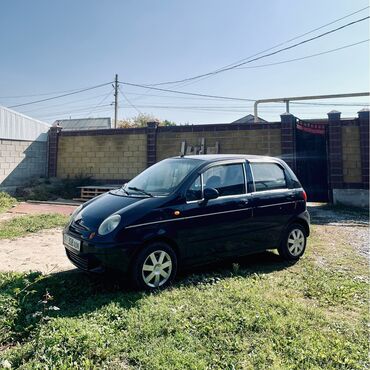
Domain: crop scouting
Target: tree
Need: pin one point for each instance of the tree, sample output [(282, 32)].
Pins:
[(141, 120)]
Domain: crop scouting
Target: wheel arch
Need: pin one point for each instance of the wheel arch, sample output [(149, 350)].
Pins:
[(302, 222), (159, 239)]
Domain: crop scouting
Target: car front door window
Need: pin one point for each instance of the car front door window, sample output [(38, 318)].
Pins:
[(226, 179)]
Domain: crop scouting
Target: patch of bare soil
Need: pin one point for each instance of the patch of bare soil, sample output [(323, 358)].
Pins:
[(42, 251)]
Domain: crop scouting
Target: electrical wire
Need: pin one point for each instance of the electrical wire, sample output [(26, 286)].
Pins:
[(62, 104), (233, 66), (185, 93), (101, 102), (299, 36), (128, 101), (307, 56), (60, 96)]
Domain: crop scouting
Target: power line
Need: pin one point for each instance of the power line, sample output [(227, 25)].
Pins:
[(299, 36), (128, 101), (101, 102), (63, 104), (212, 99), (82, 110), (230, 67), (40, 94), (60, 96), (186, 93), (211, 96), (305, 57)]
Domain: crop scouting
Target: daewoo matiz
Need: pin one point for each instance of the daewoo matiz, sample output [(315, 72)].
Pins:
[(190, 210)]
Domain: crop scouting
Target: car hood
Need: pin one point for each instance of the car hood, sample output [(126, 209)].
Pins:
[(98, 209)]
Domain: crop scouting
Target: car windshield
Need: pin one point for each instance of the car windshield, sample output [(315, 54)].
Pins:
[(162, 178)]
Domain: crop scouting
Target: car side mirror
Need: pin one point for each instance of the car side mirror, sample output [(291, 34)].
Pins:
[(210, 193)]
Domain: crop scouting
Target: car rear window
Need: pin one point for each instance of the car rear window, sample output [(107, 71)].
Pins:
[(268, 176)]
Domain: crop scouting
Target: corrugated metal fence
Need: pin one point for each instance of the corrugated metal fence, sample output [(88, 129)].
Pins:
[(16, 126)]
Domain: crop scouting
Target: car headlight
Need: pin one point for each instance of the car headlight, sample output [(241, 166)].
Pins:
[(109, 224), (76, 212)]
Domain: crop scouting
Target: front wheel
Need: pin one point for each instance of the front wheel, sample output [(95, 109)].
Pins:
[(293, 243), (154, 267)]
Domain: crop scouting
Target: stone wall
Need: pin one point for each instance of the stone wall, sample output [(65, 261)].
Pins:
[(232, 139), (21, 161), (118, 156), (351, 154)]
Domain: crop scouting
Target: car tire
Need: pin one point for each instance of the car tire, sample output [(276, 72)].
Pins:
[(293, 243), (154, 267)]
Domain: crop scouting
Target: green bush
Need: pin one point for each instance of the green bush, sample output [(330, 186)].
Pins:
[(6, 201), (52, 188)]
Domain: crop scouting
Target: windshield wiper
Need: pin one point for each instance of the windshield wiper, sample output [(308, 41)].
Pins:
[(142, 191), (123, 189)]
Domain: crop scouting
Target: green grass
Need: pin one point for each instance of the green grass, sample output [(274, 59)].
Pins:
[(22, 225), (259, 313), (6, 201)]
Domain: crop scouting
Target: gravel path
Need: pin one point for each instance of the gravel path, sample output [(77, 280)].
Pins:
[(352, 227)]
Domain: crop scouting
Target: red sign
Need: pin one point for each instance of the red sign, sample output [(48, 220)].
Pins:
[(313, 128)]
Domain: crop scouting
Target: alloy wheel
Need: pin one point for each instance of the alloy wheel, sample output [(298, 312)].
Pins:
[(157, 268), (296, 241)]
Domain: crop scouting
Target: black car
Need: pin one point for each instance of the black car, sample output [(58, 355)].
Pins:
[(190, 210)]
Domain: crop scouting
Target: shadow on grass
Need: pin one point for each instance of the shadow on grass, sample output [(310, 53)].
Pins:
[(76, 293)]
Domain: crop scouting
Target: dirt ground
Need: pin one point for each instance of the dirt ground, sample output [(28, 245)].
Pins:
[(43, 251)]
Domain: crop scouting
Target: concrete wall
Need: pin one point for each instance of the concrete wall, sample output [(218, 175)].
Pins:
[(351, 197), (351, 154), (265, 141), (21, 161), (102, 157)]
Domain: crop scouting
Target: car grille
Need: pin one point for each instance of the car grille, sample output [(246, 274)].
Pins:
[(77, 228), (82, 262)]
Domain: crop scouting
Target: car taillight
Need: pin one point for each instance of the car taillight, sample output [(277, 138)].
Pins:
[(304, 195)]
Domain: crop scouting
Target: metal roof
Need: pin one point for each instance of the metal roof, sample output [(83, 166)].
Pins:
[(84, 123), (17, 126), (249, 118)]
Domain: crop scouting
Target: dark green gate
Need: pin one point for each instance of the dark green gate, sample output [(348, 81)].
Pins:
[(312, 159)]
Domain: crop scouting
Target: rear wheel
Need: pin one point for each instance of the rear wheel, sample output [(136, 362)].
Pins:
[(293, 243), (155, 267)]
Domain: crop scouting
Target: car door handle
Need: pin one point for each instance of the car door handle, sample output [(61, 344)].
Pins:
[(244, 202)]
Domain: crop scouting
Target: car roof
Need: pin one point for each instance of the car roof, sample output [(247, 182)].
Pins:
[(225, 157)]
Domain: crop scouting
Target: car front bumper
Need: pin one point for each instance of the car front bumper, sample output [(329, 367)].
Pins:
[(98, 257)]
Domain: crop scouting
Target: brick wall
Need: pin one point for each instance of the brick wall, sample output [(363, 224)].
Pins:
[(237, 139), (351, 154), (112, 154), (20, 161)]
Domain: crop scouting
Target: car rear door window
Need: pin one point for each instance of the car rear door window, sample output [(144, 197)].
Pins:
[(268, 176), (228, 179)]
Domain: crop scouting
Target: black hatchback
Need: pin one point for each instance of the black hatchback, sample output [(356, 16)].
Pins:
[(187, 211)]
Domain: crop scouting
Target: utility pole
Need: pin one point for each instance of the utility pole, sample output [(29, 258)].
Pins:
[(115, 100)]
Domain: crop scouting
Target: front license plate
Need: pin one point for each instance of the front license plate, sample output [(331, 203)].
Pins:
[(71, 242)]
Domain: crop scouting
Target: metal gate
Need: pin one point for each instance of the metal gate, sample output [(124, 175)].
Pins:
[(312, 159)]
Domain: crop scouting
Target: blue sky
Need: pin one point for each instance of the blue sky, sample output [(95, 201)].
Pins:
[(54, 46)]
